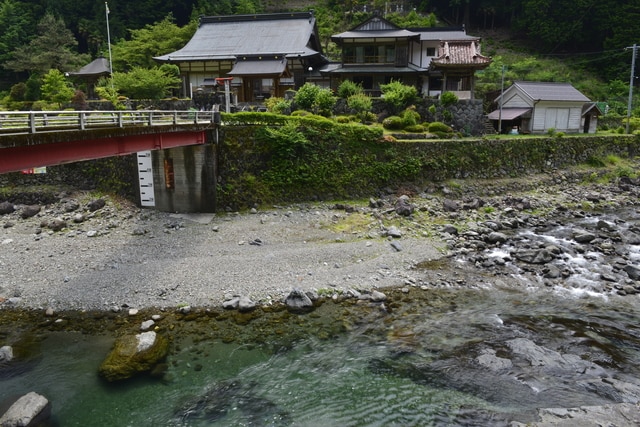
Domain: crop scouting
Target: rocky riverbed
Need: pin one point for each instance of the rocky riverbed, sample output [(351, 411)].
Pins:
[(83, 252), (118, 266)]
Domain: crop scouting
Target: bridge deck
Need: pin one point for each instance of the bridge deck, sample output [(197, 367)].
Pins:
[(35, 139)]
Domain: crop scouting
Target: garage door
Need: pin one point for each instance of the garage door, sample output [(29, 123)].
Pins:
[(557, 118)]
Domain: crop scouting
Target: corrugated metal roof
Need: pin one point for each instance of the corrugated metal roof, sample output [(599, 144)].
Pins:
[(228, 38), (551, 91), (440, 35), (460, 52), (508, 113)]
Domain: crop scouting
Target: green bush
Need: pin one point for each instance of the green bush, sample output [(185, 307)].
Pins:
[(277, 105), (349, 88), (410, 116), (343, 119), (397, 95), (361, 104), (253, 118), (414, 129), (436, 127), (369, 117), (324, 102), (393, 123), (306, 96), (448, 99), (315, 99)]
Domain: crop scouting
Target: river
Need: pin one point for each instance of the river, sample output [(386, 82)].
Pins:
[(488, 353)]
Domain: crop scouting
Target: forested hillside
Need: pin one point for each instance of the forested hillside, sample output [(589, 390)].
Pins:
[(593, 33)]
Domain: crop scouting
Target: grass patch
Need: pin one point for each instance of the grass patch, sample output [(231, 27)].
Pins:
[(353, 223)]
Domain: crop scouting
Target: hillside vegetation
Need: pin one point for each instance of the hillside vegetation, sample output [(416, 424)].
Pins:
[(585, 42)]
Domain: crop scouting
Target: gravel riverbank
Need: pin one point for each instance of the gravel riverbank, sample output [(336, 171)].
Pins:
[(121, 256), (77, 254)]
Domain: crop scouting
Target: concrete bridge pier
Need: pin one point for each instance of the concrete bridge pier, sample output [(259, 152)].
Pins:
[(184, 179)]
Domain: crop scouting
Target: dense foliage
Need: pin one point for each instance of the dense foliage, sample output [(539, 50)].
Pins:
[(592, 37), (311, 158)]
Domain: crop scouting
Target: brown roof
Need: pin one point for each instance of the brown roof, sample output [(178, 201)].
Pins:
[(457, 53)]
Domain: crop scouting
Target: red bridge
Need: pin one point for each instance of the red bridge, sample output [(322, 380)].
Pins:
[(46, 138)]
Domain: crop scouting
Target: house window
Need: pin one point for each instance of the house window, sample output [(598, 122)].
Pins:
[(390, 54), (431, 51), (369, 54)]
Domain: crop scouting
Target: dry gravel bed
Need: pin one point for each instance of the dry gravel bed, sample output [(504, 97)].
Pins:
[(121, 256)]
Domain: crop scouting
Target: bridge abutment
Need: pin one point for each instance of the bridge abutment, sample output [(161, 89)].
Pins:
[(184, 178)]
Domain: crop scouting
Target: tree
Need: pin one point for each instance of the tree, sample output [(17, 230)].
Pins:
[(152, 40), (16, 25), (143, 83), (52, 48), (56, 88)]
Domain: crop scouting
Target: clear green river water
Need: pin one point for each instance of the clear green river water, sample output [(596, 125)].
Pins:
[(419, 360)]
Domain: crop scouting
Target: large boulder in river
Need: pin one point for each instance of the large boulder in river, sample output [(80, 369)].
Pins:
[(133, 354), (298, 301), (534, 256), (29, 410)]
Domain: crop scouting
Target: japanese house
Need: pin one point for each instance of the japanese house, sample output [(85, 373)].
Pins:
[(434, 60), (266, 54), (537, 107)]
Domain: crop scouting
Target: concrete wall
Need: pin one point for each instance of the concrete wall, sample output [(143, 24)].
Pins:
[(184, 179)]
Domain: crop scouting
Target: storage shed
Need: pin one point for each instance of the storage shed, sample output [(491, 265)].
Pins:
[(537, 107)]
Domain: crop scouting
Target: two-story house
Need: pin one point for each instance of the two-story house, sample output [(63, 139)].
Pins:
[(432, 59)]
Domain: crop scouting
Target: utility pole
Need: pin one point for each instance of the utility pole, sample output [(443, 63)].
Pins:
[(501, 101), (633, 68), (106, 7)]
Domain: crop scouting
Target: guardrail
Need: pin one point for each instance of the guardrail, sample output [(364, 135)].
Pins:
[(12, 122)]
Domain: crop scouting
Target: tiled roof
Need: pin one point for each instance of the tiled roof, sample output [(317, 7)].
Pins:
[(97, 67), (227, 37), (459, 53), (551, 91), (398, 33)]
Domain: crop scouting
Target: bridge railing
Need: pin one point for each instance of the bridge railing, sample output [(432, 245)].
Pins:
[(54, 121)]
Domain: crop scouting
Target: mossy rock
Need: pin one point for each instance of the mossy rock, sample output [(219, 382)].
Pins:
[(127, 358)]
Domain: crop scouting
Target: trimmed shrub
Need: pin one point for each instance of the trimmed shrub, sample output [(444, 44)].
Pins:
[(324, 102), (415, 129), (361, 104), (349, 88), (436, 127), (306, 96), (410, 116), (397, 95), (393, 123), (278, 105), (448, 98)]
